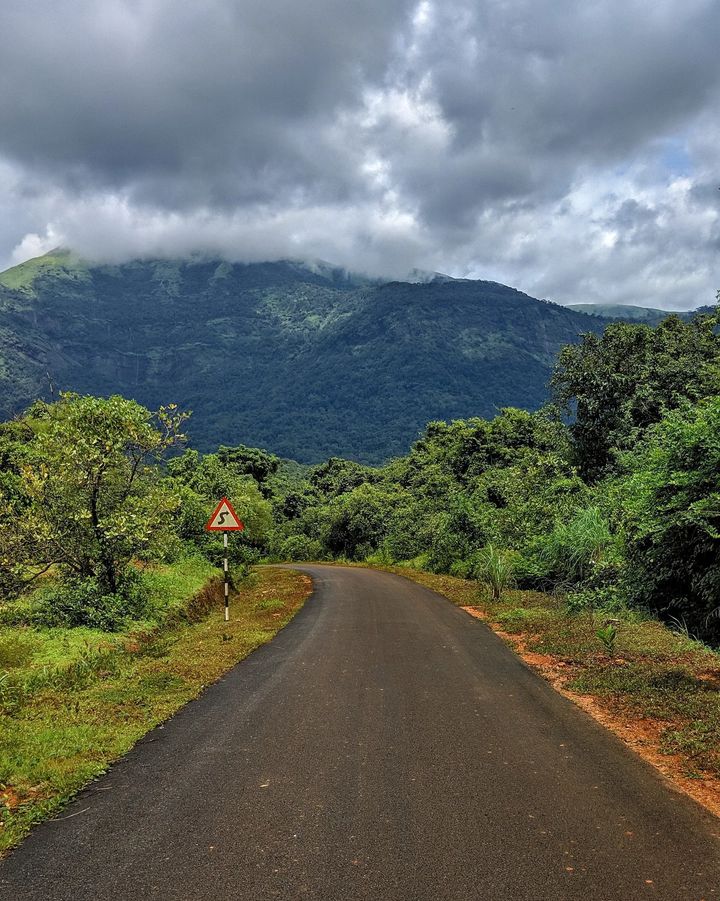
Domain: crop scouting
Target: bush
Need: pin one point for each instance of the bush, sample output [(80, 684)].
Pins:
[(300, 547), (381, 557), (462, 569), (447, 548), (82, 602), (605, 598)]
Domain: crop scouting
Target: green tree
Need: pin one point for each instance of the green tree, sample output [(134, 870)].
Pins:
[(249, 461), (337, 476), (671, 516), (15, 438), (511, 505), (619, 384), (359, 520), (205, 479), (87, 497), (465, 448)]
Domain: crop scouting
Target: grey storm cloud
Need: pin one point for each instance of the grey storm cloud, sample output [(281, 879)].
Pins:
[(213, 102), (569, 149)]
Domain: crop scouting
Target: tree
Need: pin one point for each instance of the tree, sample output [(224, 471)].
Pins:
[(465, 448), (250, 461), (337, 476), (86, 496), (202, 481), (671, 518), (359, 520), (618, 385)]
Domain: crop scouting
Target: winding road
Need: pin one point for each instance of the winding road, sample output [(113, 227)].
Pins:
[(384, 746)]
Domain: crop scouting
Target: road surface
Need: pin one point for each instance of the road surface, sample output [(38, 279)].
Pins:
[(384, 746)]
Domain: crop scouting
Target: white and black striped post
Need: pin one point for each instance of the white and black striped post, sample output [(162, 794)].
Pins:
[(227, 586), (225, 520)]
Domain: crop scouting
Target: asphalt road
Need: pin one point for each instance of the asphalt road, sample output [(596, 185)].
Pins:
[(384, 746)]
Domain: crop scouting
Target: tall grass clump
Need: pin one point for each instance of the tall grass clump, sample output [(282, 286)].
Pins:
[(572, 552), (495, 568)]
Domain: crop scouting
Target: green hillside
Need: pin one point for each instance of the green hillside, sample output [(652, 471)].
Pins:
[(306, 360)]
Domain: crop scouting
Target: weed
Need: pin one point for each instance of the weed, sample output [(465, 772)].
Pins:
[(16, 649), (607, 635)]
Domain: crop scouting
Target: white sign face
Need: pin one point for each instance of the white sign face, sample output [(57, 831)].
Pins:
[(224, 518)]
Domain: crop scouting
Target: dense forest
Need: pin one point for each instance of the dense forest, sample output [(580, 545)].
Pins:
[(609, 496)]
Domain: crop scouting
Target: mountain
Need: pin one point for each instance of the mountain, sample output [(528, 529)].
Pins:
[(305, 359)]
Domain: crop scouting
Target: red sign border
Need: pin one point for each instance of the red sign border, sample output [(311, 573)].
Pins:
[(211, 528)]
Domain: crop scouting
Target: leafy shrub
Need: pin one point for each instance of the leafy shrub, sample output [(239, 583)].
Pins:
[(17, 613), (419, 562), (607, 598), (671, 519), (300, 547), (82, 602), (531, 572), (381, 557), (448, 547), (462, 569)]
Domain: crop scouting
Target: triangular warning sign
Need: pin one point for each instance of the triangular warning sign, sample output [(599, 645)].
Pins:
[(224, 519)]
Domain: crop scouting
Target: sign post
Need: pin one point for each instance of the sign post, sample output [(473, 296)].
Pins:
[(225, 520)]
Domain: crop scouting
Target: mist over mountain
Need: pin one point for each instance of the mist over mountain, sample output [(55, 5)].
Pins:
[(305, 359)]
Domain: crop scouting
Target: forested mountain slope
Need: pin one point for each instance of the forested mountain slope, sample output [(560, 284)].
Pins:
[(306, 360), (628, 313)]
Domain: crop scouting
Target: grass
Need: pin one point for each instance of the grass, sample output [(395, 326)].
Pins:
[(32, 650), (495, 569), (57, 263), (74, 700), (653, 674)]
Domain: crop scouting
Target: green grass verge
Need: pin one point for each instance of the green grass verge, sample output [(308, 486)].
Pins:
[(26, 650), (654, 674), (74, 700)]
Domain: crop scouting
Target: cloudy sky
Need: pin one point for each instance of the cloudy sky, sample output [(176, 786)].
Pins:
[(566, 147)]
